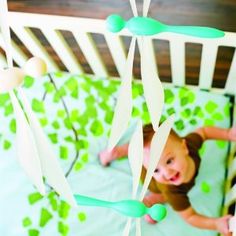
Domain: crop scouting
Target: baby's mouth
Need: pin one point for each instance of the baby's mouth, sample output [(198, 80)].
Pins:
[(175, 177)]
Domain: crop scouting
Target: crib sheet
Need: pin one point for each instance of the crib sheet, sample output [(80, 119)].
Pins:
[(76, 113)]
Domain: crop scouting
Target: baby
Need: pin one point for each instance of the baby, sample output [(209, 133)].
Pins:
[(176, 171)]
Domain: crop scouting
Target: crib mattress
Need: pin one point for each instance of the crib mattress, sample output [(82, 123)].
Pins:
[(90, 104)]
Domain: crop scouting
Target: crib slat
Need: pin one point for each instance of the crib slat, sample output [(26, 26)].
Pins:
[(230, 86), (117, 51), (232, 169), (177, 58), (230, 196), (90, 51), (18, 55), (3, 62), (61, 47), (34, 46), (207, 67)]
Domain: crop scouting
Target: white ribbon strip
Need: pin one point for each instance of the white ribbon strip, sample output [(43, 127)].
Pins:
[(146, 4), (133, 7), (123, 107)]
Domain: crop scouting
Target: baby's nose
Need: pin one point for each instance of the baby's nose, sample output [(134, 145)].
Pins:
[(168, 173)]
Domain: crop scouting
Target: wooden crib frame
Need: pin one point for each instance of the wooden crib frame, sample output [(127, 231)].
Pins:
[(81, 28)]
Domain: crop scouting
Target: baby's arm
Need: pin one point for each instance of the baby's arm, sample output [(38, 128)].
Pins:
[(219, 224), (108, 156), (217, 133)]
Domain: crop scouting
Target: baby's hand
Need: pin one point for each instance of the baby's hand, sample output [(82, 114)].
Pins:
[(222, 225), (105, 157), (232, 134)]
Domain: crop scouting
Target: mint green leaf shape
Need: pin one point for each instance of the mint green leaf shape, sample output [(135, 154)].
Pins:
[(49, 87), (90, 100), (191, 97), (8, 110), (58, 74), (227, 109), (209, 122), (75, 94), (97, 128), (64, 210), (59, 94), (135, 112), (67, 123), (205, 187), (53, 138), (81, 131), (184, 101), (170, 111), (202, 150), (33, 232), (217, 116), (210, 107), (43, 121), (193, 122), (55, 124), (45, 217), (85, 157), (63, 152), (86, 87), (63, 229), (82, 216), (69, 139), (26, 222), (179, 124), (186, 113), (83, 119), (198, 112), (28, 81), (81, 144), (221, 144), (182, 92), (12, 126), (34, 197), (103, 105), (72, 84), (4, 98), (53, 200), (38, 106), (169, 96), (61, 113), (109, 116), (78, 166), (6, 145)]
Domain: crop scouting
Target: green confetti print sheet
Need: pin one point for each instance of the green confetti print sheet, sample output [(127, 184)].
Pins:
[(76, 113)]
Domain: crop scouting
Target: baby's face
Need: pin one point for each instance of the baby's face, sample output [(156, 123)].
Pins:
[(173, 167)]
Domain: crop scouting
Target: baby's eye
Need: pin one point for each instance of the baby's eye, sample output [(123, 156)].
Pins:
[(156, 170), (169, 161)]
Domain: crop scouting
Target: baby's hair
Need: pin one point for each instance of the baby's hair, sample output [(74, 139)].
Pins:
[(148, 132)]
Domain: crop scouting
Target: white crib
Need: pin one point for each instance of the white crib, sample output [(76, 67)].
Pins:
[(82, 28)]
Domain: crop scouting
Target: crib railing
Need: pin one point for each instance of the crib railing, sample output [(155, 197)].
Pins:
[(23, 25), (81, 28)]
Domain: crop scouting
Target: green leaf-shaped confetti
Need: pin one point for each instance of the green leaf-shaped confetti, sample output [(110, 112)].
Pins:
[(72, 84), (209, 122), (184, 101), (55, 124), (4, 98), (49, 87), (63, 229), (6, 144), (61, 113), (58, 74), (135, 112), (53, 138), (64, 209), (82, 216), (38, 106), (26, 222), (28, 81), (210, 107), (179, 125), (169, 96), (12, 126), (67, 123), (34, 197), (84, 157), (53, 201), (78, 166), (45, 216), (43, 121), (205, 187), (33, 232), (109, 116), (227, 109), (218, 116), (170, 111), (63, 152), (193, 122), (8, 109), (186, 113), (81, 144), (221, 144), (96, 128)]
